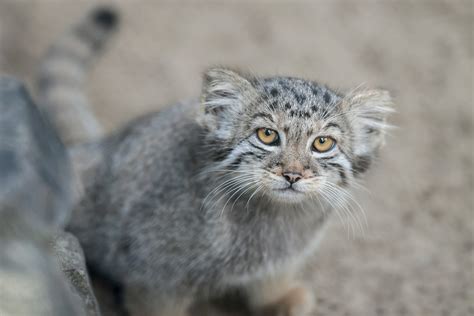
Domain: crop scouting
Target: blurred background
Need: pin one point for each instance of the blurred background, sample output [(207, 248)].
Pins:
[(416, 257)]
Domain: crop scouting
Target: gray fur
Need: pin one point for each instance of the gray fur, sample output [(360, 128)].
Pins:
[(187, 203)]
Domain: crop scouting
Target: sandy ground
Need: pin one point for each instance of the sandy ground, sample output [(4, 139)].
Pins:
[(416, 256)]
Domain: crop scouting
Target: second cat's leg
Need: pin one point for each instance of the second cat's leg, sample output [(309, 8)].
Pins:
[(280, 297), (140, 302)]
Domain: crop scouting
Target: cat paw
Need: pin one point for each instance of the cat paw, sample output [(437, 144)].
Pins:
[(297, 302)]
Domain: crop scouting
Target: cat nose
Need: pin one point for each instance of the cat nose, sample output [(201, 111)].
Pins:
[(292, 177)]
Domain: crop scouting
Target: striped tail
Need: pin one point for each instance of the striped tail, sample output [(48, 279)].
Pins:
[(62, 76)]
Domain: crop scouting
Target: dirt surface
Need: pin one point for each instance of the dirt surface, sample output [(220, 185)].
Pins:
[(416, 256)]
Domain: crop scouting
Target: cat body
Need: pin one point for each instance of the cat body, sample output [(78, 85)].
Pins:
[(150, 187), (229, 192)]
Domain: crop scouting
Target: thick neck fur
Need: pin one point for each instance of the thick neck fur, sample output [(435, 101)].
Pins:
[(263, 236)]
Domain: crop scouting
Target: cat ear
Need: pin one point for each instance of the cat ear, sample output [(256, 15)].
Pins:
[(368, 111), (224, 94)]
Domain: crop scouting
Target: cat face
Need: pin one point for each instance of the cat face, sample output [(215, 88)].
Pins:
[(289, 139)]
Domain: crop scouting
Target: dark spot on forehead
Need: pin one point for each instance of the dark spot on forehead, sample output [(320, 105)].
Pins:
[(287, 106), (274, 92), (300, 98), (283, 83), (292, 113), (327, 97), (286, 129), (307, 115), (315, 91), (314, 108)]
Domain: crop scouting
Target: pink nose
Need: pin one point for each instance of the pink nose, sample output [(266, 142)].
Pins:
[(292, 177)]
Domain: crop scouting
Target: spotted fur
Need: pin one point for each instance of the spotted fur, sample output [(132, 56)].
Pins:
[(299, 110)]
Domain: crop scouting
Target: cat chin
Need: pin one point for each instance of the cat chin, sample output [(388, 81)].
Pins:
[(289, 196)]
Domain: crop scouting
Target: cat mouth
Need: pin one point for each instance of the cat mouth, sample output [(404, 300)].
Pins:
[(288, 190), (288, 195)]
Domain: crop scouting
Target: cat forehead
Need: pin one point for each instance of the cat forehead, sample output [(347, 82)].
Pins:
[(298, 98)]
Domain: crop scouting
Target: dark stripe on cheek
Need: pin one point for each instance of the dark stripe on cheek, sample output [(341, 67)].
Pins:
[(361, 164), (236, 163), (343, 176), (255, 146), (221, 154), (220, 151), (342, 172)]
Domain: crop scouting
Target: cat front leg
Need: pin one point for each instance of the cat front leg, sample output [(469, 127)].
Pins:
[(145, 302), (280, 296)]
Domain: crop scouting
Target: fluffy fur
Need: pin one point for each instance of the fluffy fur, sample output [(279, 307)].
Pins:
[(188, 203)]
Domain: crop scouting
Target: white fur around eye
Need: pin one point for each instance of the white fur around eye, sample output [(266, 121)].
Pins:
[(328, 154), (256, 142)]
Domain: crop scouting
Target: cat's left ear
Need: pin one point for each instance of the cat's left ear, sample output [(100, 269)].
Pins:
[(367, 110), (224, 94)]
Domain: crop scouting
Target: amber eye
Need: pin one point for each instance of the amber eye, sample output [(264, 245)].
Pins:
[(267, 136), (323, 144)]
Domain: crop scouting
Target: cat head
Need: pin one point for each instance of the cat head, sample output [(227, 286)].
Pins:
[(289, 139)]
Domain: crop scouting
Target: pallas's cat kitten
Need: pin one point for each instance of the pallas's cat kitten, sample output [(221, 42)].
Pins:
[(231, 192)]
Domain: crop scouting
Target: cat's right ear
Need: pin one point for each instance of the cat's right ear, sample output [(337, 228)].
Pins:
[(367, 110), (224, 94)]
